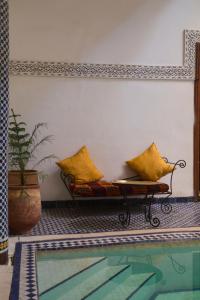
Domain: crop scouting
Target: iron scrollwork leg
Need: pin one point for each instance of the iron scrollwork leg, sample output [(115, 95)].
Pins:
[(154, 221), (166, 207), (147, 212), (125, 216)]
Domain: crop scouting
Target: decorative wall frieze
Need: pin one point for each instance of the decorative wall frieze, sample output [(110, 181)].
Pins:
[(109, 71)]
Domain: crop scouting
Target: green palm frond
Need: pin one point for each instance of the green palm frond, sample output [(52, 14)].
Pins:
[(36, 130), (44, 140), (17, 129), (44, 159), (13, 114), (22, 144), (19, 123)]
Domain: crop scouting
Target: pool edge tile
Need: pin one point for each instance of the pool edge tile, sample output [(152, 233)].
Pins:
[(24, 279)]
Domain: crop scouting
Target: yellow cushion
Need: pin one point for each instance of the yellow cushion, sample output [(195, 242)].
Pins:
[(81, 167), (150, 165)]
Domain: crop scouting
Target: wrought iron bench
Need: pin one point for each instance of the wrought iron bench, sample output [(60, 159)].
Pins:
[(125, 190)]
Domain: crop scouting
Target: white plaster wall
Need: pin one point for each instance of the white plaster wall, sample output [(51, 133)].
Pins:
[(116, 119)]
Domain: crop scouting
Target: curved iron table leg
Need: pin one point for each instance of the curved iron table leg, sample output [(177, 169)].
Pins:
[(125, 216), (166, 207), (154, 221)]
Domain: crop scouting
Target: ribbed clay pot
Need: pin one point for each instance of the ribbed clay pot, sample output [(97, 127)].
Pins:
[(24, 208), (30, 177)]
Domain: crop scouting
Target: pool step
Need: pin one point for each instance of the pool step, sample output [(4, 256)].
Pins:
[(179, 295), (120, 287), (61, 270), (146, 289), (81, 285)]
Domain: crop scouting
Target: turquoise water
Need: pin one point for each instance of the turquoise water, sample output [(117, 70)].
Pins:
[(161, 271)]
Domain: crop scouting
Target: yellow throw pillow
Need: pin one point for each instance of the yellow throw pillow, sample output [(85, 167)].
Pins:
[(150, 165), (81, 167)]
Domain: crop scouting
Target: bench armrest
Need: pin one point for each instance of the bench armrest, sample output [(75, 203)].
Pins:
[(67, 179), (179, 163)]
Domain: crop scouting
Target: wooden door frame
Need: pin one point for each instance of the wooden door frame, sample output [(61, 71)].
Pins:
[(196, 160)]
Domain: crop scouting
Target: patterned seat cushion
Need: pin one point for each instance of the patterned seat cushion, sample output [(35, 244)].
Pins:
[(108, 189)]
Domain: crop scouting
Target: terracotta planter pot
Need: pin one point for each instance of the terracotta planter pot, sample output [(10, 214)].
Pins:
[(24, 208), (30, 177)]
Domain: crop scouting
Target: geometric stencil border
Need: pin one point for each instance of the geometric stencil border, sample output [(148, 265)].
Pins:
[(116, 71), (24, 281)]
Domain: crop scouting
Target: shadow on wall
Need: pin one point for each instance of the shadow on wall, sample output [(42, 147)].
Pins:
[(76, 29), (108, 18), (59, 191)]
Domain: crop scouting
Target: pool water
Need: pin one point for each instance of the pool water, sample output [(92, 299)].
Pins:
[(151, 270)]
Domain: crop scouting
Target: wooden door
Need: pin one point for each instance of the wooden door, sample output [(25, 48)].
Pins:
[(197, 124)]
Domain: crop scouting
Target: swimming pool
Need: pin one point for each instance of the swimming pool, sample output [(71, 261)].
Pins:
[(147, 271), (152, 266)]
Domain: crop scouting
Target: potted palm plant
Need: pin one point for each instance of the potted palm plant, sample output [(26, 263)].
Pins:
[(24, 200)]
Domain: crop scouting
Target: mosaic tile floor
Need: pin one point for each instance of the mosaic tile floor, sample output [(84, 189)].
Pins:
[(96, 217)]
